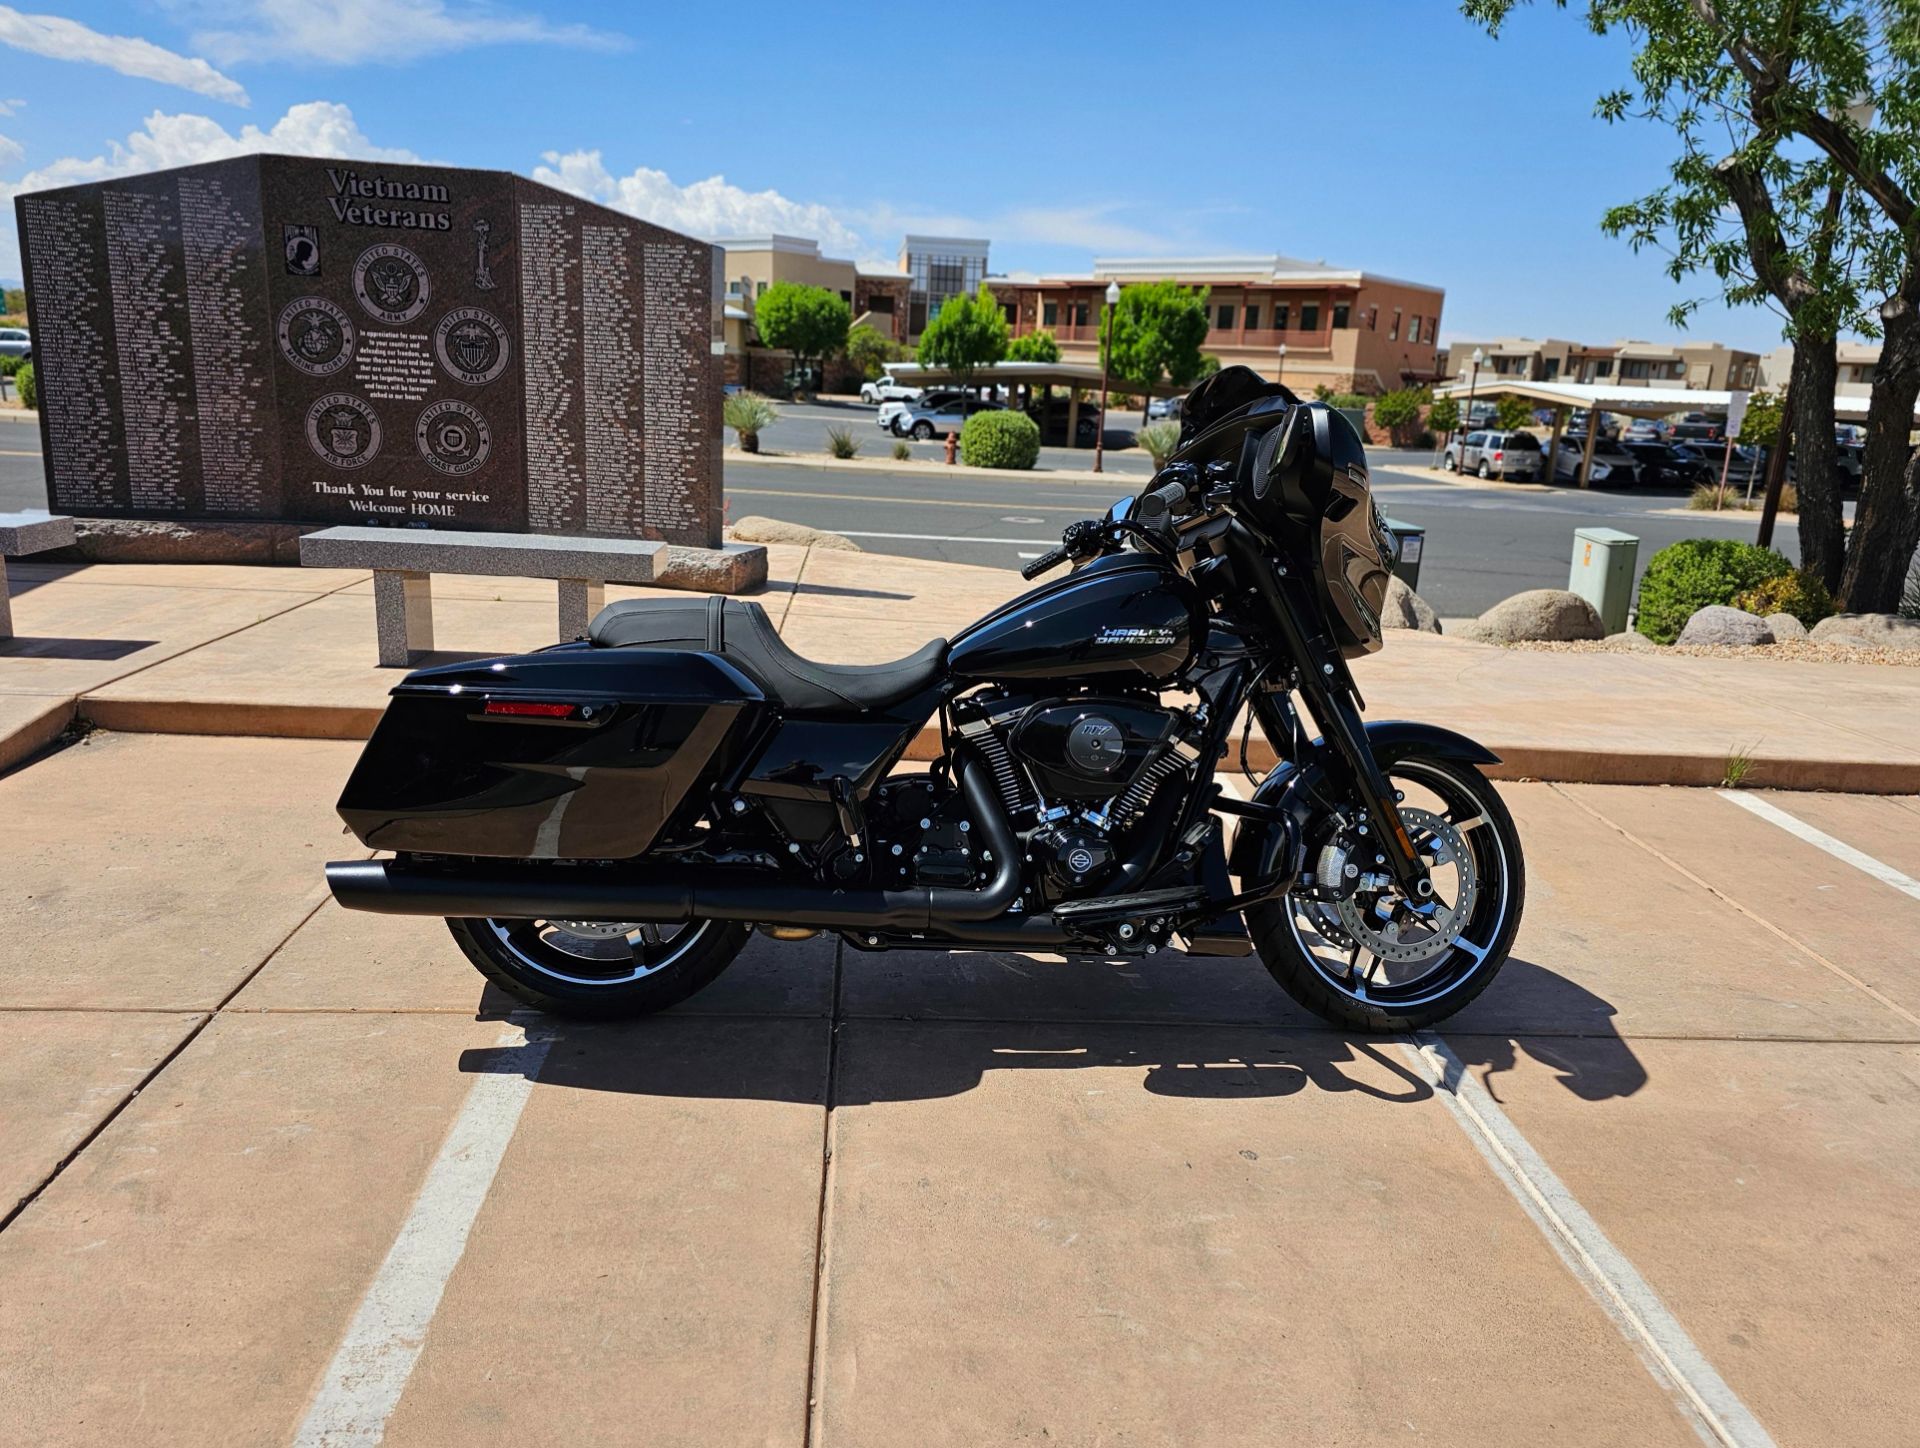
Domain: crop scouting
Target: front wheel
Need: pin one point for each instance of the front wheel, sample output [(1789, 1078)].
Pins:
[(599, 970), (923, 431), (1373, 963)]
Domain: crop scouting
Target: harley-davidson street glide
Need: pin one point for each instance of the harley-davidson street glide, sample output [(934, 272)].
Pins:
[(603, 822)]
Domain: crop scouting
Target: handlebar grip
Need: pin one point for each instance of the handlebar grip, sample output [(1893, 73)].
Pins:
[(1157, 508), (1045, 561)]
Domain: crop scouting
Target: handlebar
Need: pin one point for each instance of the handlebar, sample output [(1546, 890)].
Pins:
[(1045, 561)]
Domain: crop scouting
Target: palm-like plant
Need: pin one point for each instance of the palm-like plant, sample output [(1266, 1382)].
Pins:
[(748, 413), (1159, 439)]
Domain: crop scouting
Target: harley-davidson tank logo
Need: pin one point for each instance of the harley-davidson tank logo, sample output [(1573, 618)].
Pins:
[(315, 336), (472, 345), (343, 430), (1110, 637), (453, 437), (391, 283)]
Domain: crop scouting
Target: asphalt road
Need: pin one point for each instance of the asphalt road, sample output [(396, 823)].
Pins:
[(1481, 547), (802, 429)]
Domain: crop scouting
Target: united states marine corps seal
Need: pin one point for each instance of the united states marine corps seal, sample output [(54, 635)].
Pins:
[(453, 438), (472, 345), (315, 336), (342, 430), (391, 283)]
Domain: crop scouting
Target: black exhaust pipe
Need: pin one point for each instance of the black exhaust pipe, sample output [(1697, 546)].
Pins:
[(521, 891)]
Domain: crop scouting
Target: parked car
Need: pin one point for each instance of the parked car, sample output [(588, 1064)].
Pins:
[(16, 342), (1609, 425), (1053, 423), (1164, 408), (1707, 430), (885, 389), (1612, 465), (1495, 454), (890, 412), (923, 420), (1644, 429), (1668, 465)]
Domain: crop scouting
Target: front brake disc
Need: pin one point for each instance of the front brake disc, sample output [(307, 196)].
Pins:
[(1395, 931)]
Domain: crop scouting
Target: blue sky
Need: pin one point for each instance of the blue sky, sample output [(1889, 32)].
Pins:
[(1393, 136)]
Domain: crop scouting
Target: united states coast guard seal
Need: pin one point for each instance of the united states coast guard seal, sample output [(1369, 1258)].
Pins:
[(315, 336), (453, 437), (342, 430), (391, 283), (472, 345)]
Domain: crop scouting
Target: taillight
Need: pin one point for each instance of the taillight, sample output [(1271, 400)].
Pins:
[(527, 709), (1500, 457)]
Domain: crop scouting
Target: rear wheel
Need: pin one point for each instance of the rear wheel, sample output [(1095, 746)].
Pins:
[(923, 431), (1374, 963), (599, 970), (1485, 471)]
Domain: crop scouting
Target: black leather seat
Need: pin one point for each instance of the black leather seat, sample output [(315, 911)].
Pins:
[(744, 634)]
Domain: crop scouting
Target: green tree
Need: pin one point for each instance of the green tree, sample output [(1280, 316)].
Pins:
[(1157, 331), (1510, 413), (1799, 133), (1444, 415), (869, 351), (809, 322), (1761, 426), (970, 333), (14, 301), (1034, 347), (1399, 411)]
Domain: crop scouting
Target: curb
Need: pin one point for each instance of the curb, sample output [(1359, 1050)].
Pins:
[(915, 467), (1547, 763)]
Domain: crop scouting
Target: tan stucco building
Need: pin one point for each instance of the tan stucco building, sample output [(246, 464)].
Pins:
[(1698, 366)]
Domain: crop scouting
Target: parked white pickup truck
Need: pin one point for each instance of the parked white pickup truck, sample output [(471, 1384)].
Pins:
[(885, 389)]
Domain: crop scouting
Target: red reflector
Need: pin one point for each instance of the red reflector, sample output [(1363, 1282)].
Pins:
[(530, 710), (1499, 457)]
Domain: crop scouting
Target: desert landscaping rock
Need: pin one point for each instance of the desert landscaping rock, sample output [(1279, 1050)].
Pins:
[(1406, 609), (1549, 614), (1718, 624), (771, 530), (1875, 630), (1786, 628)]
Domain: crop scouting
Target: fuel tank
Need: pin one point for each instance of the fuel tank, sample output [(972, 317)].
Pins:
[(1122, 618)]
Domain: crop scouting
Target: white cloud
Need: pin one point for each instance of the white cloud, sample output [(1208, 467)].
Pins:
[(58, 38), (711, 208), (358, 32), (313, 128)]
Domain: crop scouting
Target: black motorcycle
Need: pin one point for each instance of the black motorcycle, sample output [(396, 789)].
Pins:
[(603, 822)]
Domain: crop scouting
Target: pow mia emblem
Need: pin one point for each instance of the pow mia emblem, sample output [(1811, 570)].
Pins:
[(391, 283), (453, 438), (315, 336), (342, 430), (472, 345), (302, 244)]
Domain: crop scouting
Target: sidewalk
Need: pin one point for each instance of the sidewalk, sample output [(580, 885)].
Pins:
[(289, 653)]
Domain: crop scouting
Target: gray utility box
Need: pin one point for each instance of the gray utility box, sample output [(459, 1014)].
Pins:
[(1602, 573), (1409, 543)]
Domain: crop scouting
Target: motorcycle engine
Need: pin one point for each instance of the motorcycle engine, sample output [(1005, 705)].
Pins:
[(1079, 775)]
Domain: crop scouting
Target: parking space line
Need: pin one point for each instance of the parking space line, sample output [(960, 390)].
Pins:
[(375, 1358), (1839, 849), (1670, 1354)]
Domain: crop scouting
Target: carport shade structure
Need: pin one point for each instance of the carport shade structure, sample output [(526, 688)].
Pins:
[(1599, 398), (1071, 375)]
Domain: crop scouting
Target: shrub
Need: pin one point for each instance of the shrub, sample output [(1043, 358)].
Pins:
[(1398, 409), (1696, 572), (1711, 498), (1000, 440), (1800, 593), (1339, 400), (1444, 416), (11, 365), (1159, 439), (747, 413), (901, 452), (841, 443), (1034, 347), (29, 388)]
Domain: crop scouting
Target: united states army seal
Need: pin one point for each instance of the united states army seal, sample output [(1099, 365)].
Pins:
[(343, 430), (391, 283), (471, 345), (453, 438), (315, 336)]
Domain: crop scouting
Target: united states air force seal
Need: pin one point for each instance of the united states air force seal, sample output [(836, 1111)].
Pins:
[(472, 345), (391, 283), (453, 437), (342, 430), (315, 336)]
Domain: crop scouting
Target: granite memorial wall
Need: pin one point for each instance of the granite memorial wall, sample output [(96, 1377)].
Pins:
[(284, 339)]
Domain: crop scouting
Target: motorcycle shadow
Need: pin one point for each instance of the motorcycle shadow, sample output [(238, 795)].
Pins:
[(872, 1059)]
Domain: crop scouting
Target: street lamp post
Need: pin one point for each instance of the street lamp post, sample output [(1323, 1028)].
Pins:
[(1106, 366), (1466, 420), (1280, 365)]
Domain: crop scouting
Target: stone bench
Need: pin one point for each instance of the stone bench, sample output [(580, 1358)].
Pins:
[(404, 560), (23, 533)]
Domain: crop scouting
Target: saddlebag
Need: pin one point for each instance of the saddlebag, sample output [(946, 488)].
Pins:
[(572, 753)]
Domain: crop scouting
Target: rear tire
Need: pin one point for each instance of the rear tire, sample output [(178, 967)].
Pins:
[(536, 962), (1485, 471), (1310, 970), (923, 431)]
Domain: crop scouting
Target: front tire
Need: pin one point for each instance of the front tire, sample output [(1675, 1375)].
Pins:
[(923, 431), (599, 972), (1310, 950)]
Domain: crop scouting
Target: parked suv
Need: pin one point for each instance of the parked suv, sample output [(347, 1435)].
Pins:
[(1697, 433), (16, 342), (885, 389), (891, 412), (923, 421), (1612, 464), (1495, 454)]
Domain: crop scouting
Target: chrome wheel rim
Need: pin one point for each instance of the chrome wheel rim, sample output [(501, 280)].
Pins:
[(1426, 955), (596, 952)]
